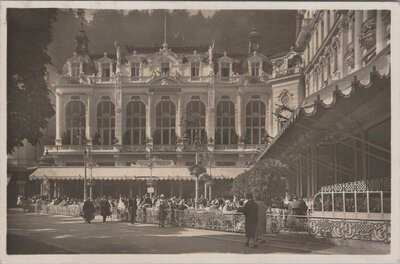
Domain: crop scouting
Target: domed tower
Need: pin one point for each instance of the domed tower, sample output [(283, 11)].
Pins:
[(81, 43), (254, 38)]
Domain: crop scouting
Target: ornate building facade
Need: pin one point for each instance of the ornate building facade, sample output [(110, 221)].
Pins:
[(337, 141), (138, 117)]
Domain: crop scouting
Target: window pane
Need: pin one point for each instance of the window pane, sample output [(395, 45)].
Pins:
[(225, 122), (135, 122), (255, 121), (165, 137), (106, 137), (165, 122), (225, 136)]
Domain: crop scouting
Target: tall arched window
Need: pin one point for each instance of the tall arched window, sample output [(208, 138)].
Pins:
[(165, 124), (225, 131), (196, 112), (76, 123), (255, 122), (135, 133), (106, 122)]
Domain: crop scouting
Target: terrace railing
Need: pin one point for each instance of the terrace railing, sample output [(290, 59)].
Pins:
[(378, 230)]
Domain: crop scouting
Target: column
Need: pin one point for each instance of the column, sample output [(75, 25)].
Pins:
[(171, 193), (179, 114), (130, 188), (239, 114), (326, 23), (89, 114), (366, 14), (332, 17), (271, 130), (312, 46), (59, 121), (210, 116), (101, 188), (180, 189), (149, 116), (55, 189), (357, 47), (380, 32), (45, 188), (118, 113), (343, 45)]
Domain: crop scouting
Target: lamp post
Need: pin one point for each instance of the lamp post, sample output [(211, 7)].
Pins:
[(91, 175), (85, 178)]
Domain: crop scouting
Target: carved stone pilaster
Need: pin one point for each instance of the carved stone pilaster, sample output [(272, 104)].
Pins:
[(367, 37), (349, 55), (386, 18)]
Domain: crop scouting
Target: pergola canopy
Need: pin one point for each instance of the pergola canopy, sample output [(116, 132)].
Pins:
[(129, 173)]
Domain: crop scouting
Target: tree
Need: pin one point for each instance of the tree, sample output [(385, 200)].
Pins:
[(266, 178), (28, 102)]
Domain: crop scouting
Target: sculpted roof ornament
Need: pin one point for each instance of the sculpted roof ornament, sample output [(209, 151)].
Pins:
[(225, 53), (105, 54)]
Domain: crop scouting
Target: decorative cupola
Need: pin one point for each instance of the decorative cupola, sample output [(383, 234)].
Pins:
[(254, 38), (82, 41)]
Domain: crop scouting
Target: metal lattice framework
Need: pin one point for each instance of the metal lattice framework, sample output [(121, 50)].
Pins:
[(378, 184)]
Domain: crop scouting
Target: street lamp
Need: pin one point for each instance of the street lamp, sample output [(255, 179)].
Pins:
[(87, 151), (197, 170), (85, 178)]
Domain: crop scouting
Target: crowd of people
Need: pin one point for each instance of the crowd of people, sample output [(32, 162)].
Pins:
[(254, 210)]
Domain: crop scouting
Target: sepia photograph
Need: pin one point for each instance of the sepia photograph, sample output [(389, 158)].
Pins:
[(184, 130)]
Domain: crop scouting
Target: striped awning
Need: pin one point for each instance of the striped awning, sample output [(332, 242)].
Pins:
[(129, 173)]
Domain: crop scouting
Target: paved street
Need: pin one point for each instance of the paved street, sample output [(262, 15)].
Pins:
[(29, 233)]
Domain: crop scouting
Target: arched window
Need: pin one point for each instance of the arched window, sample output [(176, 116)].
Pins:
[(196, 112), (106, 122), (225, 131), (135, 133), (255, 122), (165, 124), (76, 123)]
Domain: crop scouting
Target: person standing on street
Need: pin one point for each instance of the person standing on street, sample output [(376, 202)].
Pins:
[(132, 208), (250, 211), (162, 207), (302, 207), (88, 211), (261, 219), (105, 208)]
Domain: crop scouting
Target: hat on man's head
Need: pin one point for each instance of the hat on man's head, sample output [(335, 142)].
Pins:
[(162, 196)]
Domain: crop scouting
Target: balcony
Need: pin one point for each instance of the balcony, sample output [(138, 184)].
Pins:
[(284, 72), (254, 146), (164, 148), (226, 147), (133, 148), (80, 148), (228, 79)]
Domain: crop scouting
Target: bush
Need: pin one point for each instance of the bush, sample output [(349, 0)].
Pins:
[(266, 178)]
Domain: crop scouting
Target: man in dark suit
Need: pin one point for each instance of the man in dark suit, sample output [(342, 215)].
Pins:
[(132, 208), (88, 211), (250, 211), (105, 208)]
